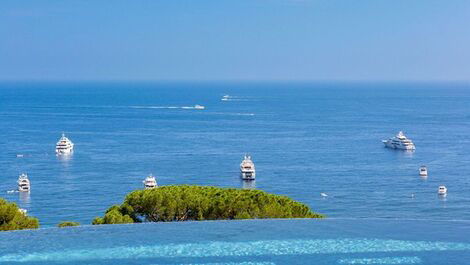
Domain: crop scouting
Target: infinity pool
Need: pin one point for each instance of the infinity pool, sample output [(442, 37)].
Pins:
[(250, 242)]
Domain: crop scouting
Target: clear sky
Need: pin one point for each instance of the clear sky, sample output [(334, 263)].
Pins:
[(235, 40)]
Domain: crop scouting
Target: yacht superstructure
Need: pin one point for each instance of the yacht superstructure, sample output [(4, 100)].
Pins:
[(23, 183), (64, 146), (150, 182), (399, 142), (247, 169)]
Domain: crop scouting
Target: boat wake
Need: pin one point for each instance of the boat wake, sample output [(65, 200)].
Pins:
[(195, 107), (235, 98), (12, 191)]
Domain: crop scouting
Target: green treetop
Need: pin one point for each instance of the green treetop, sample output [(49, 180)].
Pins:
[(11, 218), (184, 203)]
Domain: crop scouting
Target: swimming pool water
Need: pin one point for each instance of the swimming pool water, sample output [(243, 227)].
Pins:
[(257, 242)]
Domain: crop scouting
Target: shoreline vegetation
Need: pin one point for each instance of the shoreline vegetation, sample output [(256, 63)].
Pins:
[(178, 203), (12, 218), (198, 203)]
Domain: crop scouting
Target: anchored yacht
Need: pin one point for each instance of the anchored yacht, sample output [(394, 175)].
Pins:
[(64, 146), (442, 190), (23, 183), (150, 182), (399, 142), (247, 169), (423, 171)]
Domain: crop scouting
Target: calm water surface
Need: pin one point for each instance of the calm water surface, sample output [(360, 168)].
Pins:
[(304, 138)]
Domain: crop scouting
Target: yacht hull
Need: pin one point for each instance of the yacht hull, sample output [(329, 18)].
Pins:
[(394, 146), (248, 175)]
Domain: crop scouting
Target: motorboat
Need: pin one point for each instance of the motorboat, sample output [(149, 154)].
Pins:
[(150, 182), (225, 98), (423, 171), (199, 107), (399, 142), (23, 183), (64, 146), (247, 169), (442, 190)]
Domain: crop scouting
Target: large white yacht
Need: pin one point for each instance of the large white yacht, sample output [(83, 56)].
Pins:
[(150, 182), (64, 146), (247, 169), (399, 142), (23, 183)]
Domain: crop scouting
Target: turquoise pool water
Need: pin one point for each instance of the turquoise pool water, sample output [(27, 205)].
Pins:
[(250, 242)]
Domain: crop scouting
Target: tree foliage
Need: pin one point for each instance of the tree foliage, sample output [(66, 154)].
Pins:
[(68, 223), (11, 218), (184, 203)]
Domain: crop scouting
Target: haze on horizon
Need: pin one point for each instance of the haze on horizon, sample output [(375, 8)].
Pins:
[(297, 40)]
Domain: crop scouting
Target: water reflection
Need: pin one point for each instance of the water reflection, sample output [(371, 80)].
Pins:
[(409, 153), (248, 184), (25, 198), (65, 159)]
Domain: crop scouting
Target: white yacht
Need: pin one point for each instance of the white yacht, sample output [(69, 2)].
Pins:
[(64, 146), (399, 142), (23, 183), (423, 171), (247, 169), (150, 182), (199, 107), (442, 190)]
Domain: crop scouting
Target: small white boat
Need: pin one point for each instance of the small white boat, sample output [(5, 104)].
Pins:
[(150, 182), (199, 107), (23, 211), (323, 194), (247, 169), (399, 142), (23, 183), (225, 98), (64, 146), (423, 171), (442, 190)]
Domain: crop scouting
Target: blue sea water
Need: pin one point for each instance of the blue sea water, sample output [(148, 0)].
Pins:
[(305, 139)]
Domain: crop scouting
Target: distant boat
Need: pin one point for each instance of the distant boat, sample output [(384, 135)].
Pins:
[(23, 183), (19, 155), (199, 107), (150, 182), (247, 169), (323, 194), (225, 98), (64, 146), (399, 142), (23, 211), (423, 171), (442, 190)]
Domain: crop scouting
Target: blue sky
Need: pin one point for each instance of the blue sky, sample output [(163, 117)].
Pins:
[(399, 40)]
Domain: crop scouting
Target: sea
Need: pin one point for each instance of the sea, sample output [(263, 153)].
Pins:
[(305, 139)]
